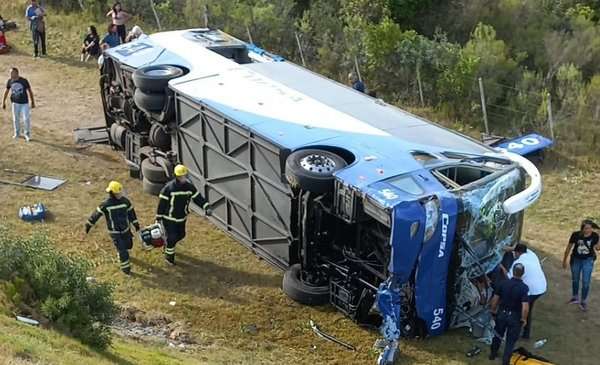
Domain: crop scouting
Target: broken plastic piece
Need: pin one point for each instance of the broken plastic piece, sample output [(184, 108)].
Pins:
[(389, 355)]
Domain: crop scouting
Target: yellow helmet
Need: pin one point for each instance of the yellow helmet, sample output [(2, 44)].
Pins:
[(114, 187), (180, 170)]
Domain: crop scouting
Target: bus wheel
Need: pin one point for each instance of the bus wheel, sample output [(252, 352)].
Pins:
[(312, 170), (154, 102), (151, 188), (153, 172), (155, 79), (301, 292), (117, 135), (159, 137)]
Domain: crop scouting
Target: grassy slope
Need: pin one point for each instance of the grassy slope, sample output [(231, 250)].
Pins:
[(23, 344), (220, 287)]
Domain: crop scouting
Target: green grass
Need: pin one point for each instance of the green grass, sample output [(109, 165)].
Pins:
[(22, 343)]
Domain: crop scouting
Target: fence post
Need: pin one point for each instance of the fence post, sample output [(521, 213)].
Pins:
[(483, 107), (357, 68), (249, 34), (550, 118), (205, 15), (300, 49), (155, 15), (419, 83)]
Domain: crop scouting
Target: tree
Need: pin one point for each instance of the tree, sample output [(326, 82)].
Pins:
[(495, 66)]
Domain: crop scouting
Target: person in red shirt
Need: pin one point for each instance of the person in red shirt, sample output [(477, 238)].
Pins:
[(4, 47)]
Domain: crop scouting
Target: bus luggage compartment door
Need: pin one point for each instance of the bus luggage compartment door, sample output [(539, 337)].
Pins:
[(241, 175)]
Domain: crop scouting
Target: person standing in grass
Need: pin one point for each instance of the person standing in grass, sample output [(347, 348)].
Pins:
[(19, 88), (35, 14), (534, 278), (173, 208), (120, 216), (581, 249), (510, 308), (91, 44), (119, 18)]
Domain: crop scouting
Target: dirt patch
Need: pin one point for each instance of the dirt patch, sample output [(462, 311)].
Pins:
[(153, 327)]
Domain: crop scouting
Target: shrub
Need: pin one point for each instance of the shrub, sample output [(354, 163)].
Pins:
[(35, 276)]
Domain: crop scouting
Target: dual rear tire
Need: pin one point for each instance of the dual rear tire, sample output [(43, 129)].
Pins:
[(156, 173), (151, 84), (151, 96)]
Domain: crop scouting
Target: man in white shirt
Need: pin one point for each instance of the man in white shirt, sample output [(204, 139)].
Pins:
[(534, 278)]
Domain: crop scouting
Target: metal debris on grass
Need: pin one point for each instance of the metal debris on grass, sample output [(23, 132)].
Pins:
[(34, 181), (329, 337)]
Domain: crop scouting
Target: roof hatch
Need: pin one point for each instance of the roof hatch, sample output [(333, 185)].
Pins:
[(221, 43)]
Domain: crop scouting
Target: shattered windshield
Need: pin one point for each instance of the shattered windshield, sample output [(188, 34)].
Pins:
[(485, 227)]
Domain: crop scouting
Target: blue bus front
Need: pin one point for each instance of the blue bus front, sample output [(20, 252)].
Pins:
[(448, 228)]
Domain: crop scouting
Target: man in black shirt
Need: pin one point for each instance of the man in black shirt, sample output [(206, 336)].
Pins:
[(510, 307), (18, 88), (173, 208)]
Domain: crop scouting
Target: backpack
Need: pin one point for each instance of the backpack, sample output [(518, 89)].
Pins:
[(521, 356)]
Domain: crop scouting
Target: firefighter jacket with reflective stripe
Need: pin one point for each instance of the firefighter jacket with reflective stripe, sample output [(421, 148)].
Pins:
[(174, 200), (119, 215)]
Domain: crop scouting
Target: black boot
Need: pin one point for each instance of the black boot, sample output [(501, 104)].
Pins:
[(170, 259)]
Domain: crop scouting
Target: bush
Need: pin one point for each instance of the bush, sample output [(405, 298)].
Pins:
[(37, 278)]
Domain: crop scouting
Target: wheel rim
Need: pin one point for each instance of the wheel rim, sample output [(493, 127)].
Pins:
[(158, 72), (318, 164)]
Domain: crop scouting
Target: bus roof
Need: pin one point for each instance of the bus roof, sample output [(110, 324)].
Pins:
[(295, 107)]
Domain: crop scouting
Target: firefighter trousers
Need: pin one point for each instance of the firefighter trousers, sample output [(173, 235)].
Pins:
[(123, 243), (175, 232)]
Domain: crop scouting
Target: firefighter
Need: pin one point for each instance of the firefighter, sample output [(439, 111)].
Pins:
[(119, 215), (173, 208)]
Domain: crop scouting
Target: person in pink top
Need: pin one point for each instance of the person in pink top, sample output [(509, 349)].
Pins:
[(119, 18)]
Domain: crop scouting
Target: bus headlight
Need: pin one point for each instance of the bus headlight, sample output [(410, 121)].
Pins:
[(432, 217)]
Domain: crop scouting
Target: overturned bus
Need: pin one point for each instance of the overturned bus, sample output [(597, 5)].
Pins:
[(366, 207)]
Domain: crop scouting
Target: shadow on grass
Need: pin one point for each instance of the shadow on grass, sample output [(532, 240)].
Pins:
[(92, 64), (202, 278), (74, 150), (113, 358)]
